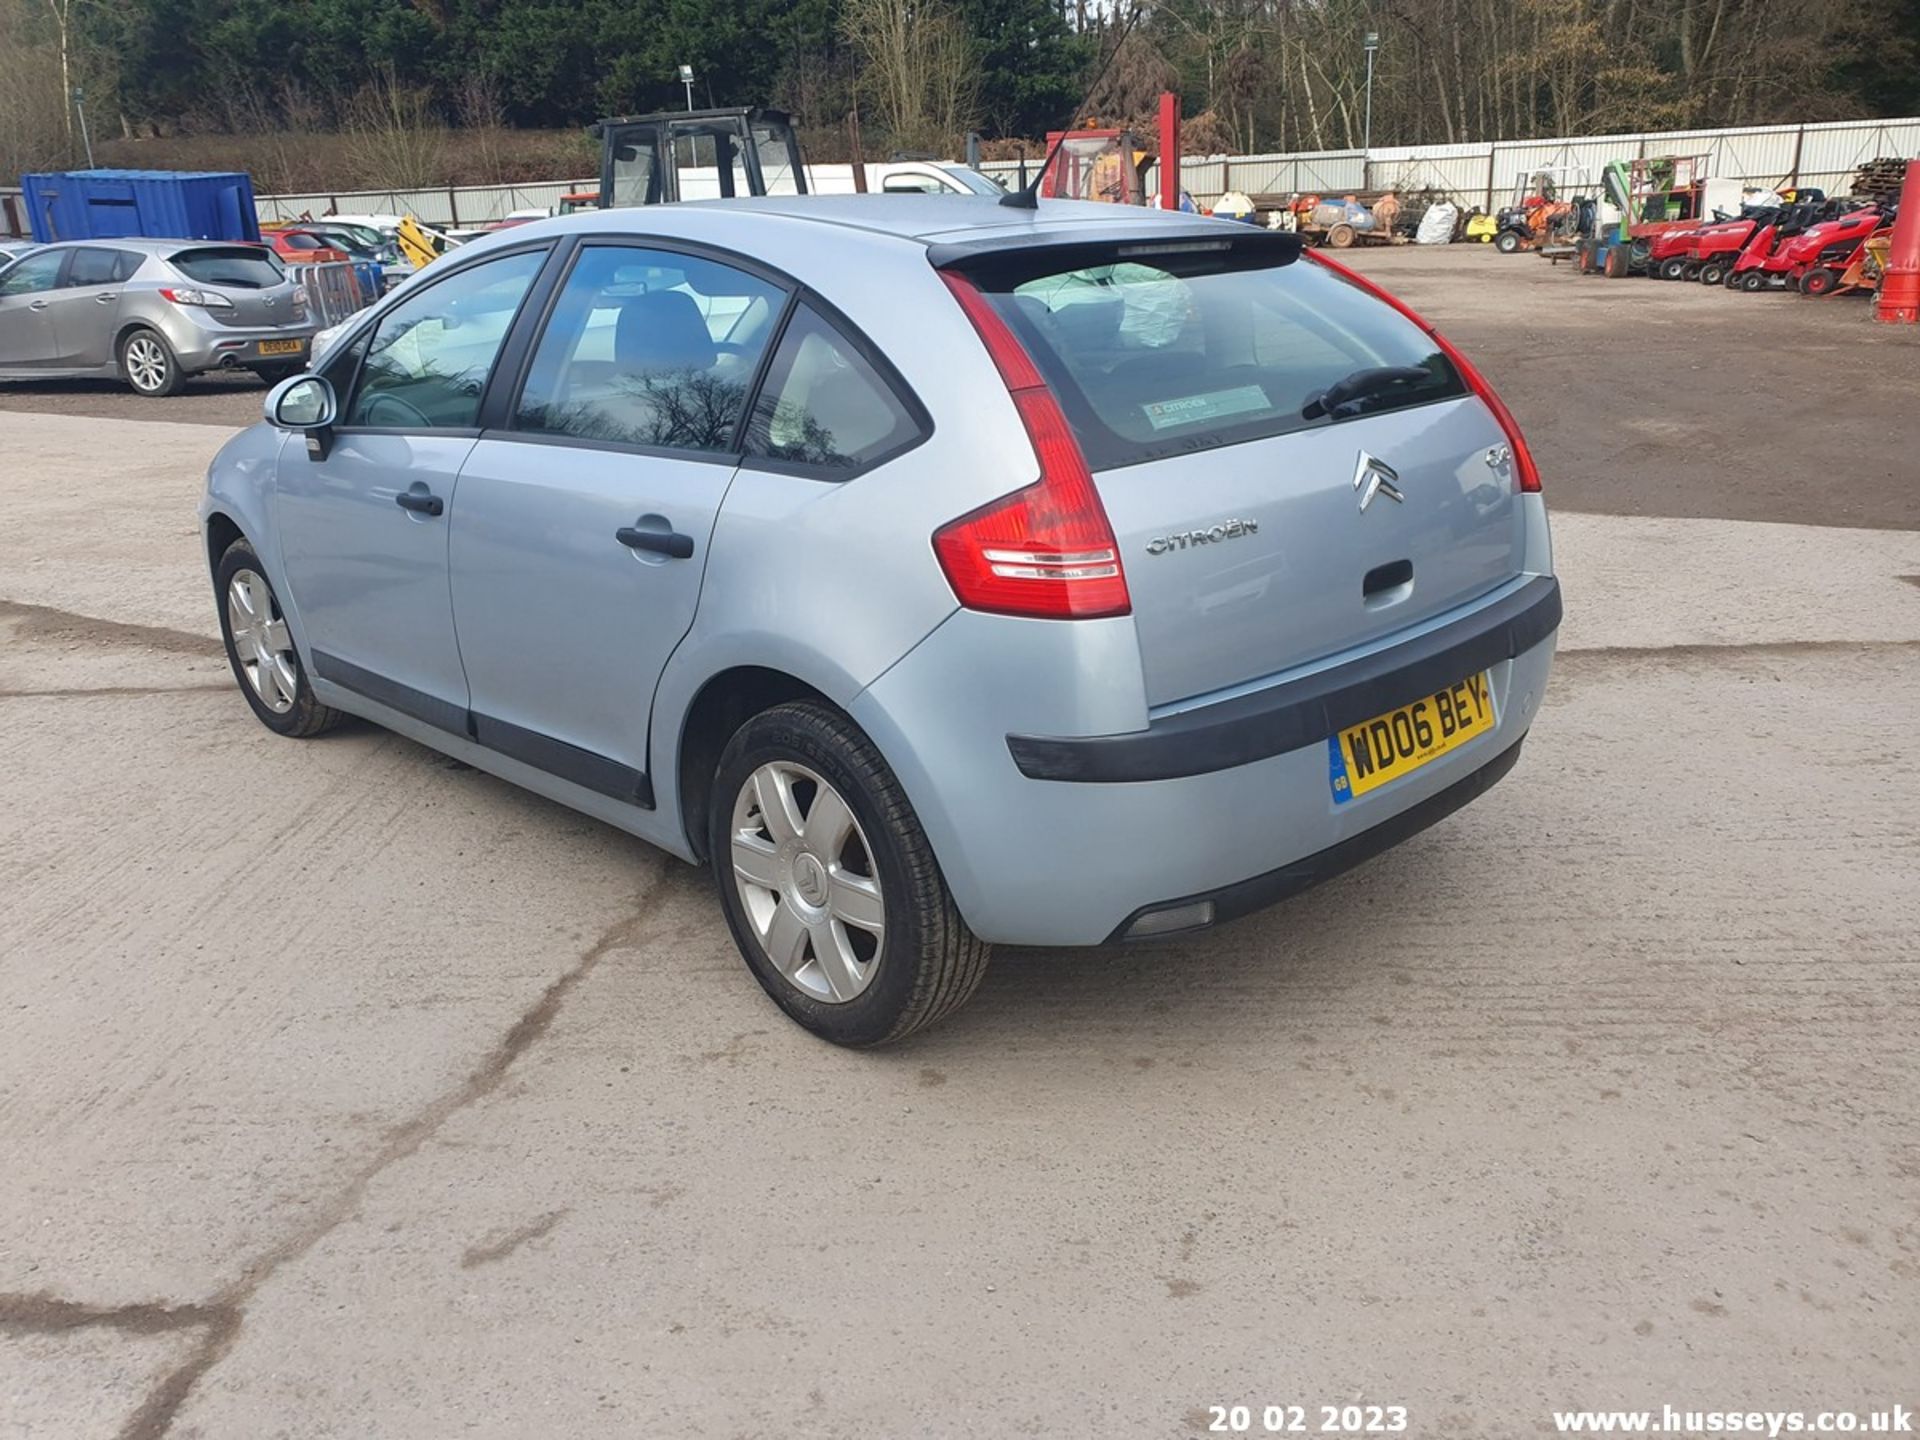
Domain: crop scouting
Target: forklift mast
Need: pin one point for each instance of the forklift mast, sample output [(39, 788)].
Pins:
[(698, 155)]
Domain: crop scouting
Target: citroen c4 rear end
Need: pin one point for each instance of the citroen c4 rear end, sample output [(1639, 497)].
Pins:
[(938, 573), (1279, 596)]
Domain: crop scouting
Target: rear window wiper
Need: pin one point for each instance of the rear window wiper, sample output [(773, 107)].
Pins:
[(1361, 385)]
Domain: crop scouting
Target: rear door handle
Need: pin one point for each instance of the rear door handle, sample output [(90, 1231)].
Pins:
[(106, 299), (420, 502), (37, 305), (670, 543)]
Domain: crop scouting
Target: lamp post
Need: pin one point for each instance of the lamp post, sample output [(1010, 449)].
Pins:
[(686, 79), (1373, 44), (80, 109)]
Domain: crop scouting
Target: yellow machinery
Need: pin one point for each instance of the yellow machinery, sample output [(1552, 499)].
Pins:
[(416, 245)]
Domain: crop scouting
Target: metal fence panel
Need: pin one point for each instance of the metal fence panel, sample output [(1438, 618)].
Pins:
[(1463, 177), (1259, 174), (1330, 172), (1834, 152), (1475, 172), (1205, 180)]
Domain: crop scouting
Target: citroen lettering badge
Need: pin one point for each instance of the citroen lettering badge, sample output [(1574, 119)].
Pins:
[(1373, 477)]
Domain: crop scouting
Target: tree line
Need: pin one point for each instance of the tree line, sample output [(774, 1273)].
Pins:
[(413, 92)]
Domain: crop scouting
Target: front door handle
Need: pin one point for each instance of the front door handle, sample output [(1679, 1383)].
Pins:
[(420, 502), (37, 305), (670, 543)]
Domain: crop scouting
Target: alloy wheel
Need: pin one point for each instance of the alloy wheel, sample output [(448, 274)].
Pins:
[(146, 363), (261, 641), (807, 882)]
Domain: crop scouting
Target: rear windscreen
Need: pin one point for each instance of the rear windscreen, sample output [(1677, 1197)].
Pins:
[(246, 267), (1160, 354)]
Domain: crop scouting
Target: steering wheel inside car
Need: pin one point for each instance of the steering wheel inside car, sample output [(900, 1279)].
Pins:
[(405, 418)]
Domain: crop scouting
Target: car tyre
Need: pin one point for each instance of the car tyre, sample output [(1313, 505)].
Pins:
[(148, 364), (271, 375), (261, 651), (812, 840)]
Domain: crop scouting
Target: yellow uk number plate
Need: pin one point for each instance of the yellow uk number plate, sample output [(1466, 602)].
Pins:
[(279, 347), (1366, 756)]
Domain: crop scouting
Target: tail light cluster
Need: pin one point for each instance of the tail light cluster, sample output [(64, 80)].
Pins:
[(205, 299), (1525, 471), (1047, 551)]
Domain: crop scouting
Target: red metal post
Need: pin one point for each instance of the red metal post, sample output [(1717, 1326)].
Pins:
[(1899, 302), (1169, 150)]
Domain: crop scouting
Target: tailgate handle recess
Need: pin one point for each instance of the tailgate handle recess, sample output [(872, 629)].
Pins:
[(1391, 576)]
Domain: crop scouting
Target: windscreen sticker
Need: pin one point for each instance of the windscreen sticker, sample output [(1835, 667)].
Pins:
[(1164, 414)]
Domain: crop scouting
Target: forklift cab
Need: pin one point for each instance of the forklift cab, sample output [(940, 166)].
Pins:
[(698, 155), (1094, 165)]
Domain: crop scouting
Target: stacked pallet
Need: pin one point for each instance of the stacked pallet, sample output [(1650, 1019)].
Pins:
[(1880, 179)]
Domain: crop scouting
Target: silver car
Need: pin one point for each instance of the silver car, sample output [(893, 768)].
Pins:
[(938, 573), (151, 312)]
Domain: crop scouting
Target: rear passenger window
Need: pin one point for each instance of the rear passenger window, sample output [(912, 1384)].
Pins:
[(98, 267), (431, 354), (649, 347), (824, 405)]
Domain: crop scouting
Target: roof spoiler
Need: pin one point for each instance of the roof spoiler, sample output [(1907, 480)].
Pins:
[(1122, 240)]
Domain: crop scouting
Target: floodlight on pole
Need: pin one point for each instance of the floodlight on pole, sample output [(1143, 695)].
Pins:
[(686, 79), (80, 109), (1373, 44)]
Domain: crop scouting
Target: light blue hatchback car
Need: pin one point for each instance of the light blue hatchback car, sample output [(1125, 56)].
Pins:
[(939, 573)]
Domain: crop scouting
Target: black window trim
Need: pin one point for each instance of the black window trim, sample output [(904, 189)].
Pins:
[(344, 399)]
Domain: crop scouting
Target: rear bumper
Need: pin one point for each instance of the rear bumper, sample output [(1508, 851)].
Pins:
[(1300, 712), (205, 346), (1230, 902), (1239, 809)]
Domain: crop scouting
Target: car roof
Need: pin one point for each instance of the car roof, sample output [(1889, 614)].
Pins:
[(921, 219), (146, 245)]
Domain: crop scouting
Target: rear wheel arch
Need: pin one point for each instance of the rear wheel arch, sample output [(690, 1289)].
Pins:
[(126, 328), (724, 703)]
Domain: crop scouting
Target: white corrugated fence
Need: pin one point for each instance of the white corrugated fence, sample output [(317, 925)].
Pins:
[(1823, 155)]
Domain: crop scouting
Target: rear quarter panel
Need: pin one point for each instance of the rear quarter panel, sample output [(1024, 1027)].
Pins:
[(833, 581)]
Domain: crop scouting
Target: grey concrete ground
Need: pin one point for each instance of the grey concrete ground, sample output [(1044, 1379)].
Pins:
[(348, 1092)]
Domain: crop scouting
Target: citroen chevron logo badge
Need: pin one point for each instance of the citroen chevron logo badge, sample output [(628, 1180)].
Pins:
[(1373, 477)]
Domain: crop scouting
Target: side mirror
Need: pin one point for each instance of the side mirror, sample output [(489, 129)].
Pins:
[(306, 403)]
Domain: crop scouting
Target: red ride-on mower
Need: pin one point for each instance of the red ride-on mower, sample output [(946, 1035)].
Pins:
[(1827, 270), (1771, 238), (1714, 248), (1818, 246), (1669, 253)]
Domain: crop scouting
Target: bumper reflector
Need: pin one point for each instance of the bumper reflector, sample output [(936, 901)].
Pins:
[(1195, 916)]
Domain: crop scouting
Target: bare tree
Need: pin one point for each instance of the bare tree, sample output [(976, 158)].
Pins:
[(35, 117), (918, 68), (482, 119), (394, 137)]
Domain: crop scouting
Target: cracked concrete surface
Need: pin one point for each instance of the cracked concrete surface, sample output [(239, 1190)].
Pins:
[(345, 1091)]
